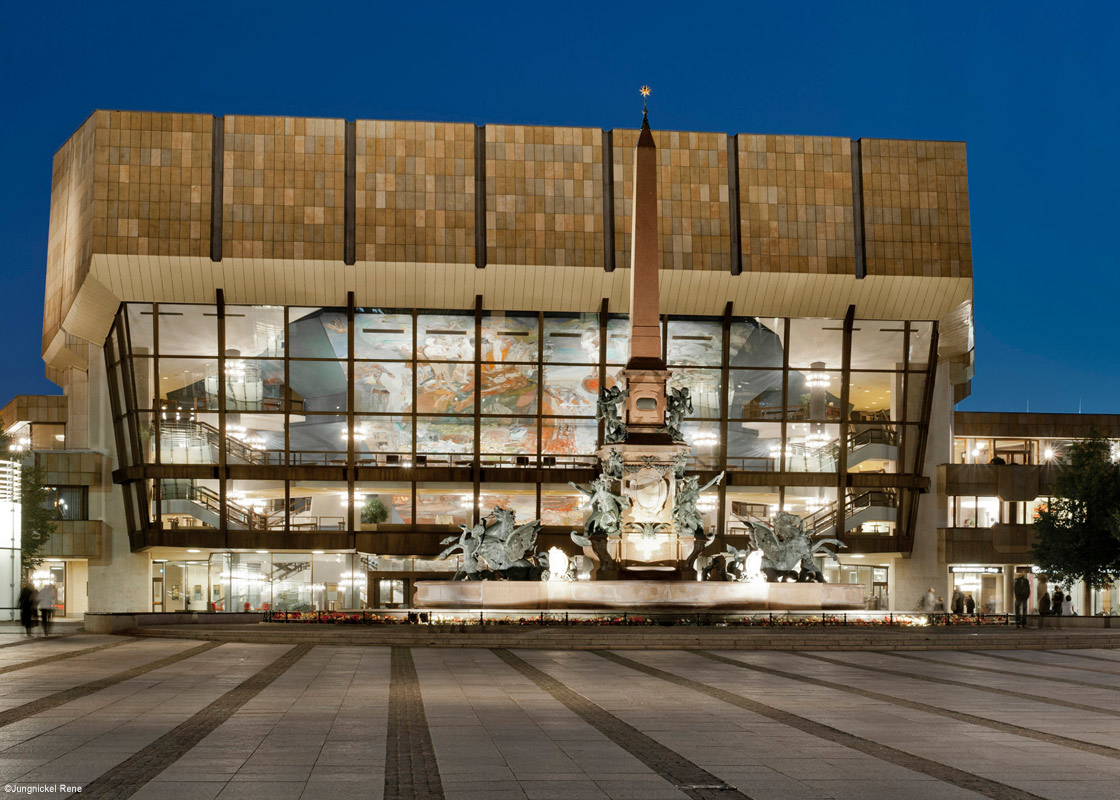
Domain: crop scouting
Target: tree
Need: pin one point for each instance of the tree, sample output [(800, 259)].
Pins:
[(37, 514), (1076, 533), (374, 511)]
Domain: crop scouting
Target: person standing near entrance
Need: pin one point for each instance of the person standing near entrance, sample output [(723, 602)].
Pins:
[(1056, 605), (46, 607), (957, 602), (28, 607), (1044, 604), (1022, 595), (928, 601)]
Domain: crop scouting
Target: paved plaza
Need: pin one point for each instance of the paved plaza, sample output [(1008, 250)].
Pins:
[(168, 718)]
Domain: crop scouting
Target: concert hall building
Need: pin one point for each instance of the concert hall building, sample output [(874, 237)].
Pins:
[(299, 353)]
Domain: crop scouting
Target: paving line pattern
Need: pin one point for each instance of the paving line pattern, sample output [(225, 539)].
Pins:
[(1035, 698), (959, 716), (1000, 656), (934, 769), (26, 710), (410, 760), (992, 670), (130, 775), (690, 778), (63, 656)]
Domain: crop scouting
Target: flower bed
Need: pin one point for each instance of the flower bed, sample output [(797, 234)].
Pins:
[(785, 620)]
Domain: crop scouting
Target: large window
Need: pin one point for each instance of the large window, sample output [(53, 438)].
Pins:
[(68, 502), (483, 389)]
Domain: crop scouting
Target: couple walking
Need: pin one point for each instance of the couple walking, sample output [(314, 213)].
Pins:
[(36, 604)]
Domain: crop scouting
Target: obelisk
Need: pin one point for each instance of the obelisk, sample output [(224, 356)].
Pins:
[(645, 374)]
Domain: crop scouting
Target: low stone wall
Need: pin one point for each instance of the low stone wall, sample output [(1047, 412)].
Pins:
[(117, 622), (639, 595), (1077, 623)]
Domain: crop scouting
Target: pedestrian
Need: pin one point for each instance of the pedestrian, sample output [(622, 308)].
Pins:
[(1044, 604), (1067, 606), (1056, 605), (46, 607), (928, 601), (940, 605), (1022, 595), (958, 600), (28, 607), (969, 603)]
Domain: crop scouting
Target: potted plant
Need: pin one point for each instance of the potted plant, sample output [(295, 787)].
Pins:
[(374, 512)]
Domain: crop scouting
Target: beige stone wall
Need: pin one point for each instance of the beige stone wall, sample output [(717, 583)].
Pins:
[(130, 219), (34, 408), (152, 190), (795, 197), (284, 188), (69, 468), (544, 196), (692, 199), (916, 218), (70, 236), (1011, 425), (414, 196)]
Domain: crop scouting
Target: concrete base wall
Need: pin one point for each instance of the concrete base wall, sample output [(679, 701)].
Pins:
[(116, 623)]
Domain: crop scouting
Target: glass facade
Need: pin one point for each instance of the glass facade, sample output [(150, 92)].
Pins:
[(315, 413)]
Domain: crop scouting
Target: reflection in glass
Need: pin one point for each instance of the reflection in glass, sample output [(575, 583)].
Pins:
[(378, 438), (570, 390), (251, 384), (563, 505), (318, 333), (508, 337), (704, 390), (255, 331), (318, 439), (508, 435), (444, 504), (445, 337), (318, 386), (877, 344), (618, 339), (571, 339), (139, 339), (189, 330), (569, 436), (444, 435), (382, 335), (816, 340), (756, 394), (381, 386), (695, 342), (812, 447), (445, 388), (509, 389), (814, 394), (187, 382), (516, 497), (756, 343)]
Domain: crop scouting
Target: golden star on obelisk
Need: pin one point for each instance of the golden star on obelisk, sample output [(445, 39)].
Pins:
[(644, 91)]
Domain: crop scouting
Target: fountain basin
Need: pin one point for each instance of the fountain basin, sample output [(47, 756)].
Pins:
[(639, 595)]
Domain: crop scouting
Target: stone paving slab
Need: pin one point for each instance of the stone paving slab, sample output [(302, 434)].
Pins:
[(323, 721), (647, 637)]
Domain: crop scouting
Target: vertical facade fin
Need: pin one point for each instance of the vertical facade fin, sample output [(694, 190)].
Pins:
[(217, 176), (608, 201), (348, 253), (480, 196), (857, 209), (736, 232)]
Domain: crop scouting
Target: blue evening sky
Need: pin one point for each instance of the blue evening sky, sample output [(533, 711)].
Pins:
[(1030, 86)]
